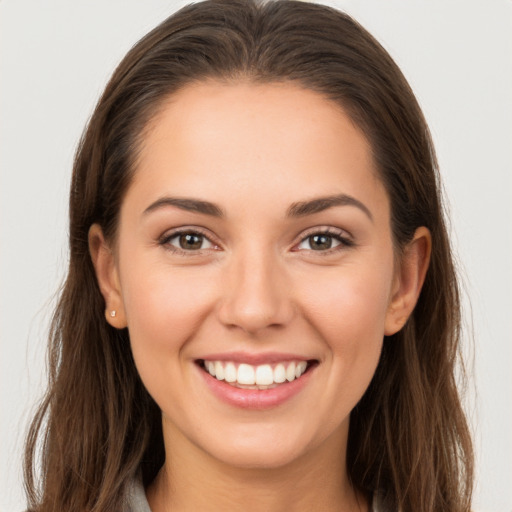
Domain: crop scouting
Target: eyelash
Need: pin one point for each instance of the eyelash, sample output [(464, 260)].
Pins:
[(166, 239), (344, 241)]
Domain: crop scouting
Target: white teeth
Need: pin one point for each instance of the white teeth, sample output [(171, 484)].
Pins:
[(264, 375), (300, 369), (290, 372), (260, 377), (279, 374), (219, 371), (245, 374), (230, 372)]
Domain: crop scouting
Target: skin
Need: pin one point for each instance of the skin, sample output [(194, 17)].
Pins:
[(256, 285)]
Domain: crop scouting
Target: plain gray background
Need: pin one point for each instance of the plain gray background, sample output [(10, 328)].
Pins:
[(56, 57)]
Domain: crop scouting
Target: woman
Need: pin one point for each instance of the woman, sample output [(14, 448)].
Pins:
[(261, 309)]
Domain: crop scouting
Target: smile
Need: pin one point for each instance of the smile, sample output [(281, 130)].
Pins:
[(263, 376), (256, 381)]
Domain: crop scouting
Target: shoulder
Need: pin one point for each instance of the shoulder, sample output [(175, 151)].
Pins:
[(135, 497)]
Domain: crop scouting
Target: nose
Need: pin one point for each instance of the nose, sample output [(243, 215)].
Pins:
[(256, 293)]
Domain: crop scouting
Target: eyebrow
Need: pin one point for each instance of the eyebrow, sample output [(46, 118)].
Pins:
[(298, 209), (190, 205), (320, 204)]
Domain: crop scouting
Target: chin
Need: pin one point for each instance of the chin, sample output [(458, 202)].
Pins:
[(256, 457), (268, 446)]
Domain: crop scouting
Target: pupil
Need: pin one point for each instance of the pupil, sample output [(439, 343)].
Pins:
[(319, 242), (191, 241)]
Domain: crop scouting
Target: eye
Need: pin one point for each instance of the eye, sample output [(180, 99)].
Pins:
[(319, 242), (188, 241), (323, 241)]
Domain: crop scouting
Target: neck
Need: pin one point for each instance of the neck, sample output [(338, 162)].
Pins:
[(316, 481)]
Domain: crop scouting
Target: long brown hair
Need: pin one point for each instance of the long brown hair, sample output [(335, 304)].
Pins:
[(97, 425)]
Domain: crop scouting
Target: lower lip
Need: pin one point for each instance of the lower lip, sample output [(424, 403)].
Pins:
[(257, 399)]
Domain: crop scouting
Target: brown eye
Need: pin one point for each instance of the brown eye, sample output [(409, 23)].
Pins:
[(320, 242), (188, 241), (191, 241), (323, 242)]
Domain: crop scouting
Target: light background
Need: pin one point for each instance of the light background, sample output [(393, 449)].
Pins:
[(56, 57)]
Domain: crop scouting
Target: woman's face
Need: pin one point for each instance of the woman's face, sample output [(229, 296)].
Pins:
[(254, 241)]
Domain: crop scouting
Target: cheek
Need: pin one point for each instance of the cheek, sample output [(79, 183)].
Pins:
[(348, 303), (349, 312), (164, 306)]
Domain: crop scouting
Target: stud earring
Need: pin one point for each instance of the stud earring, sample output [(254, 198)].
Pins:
[(113, 313)]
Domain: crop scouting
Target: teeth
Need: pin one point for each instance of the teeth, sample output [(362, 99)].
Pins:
[(279, 374), (264, 375), (229, 372), (259, 377), (245, 374), (299, 369), (219, 370), (290, 372)]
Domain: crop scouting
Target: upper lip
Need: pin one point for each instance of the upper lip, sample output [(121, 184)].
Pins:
[(255, 359)]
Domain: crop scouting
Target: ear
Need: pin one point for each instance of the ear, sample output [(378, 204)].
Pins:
[(103, 259), (409, 278)]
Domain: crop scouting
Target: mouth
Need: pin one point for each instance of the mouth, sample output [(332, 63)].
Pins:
[(256, 377)]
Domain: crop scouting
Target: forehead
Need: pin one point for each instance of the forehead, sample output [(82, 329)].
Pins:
[(277, 140)]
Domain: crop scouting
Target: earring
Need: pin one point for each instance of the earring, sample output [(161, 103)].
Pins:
[(113, 313)]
